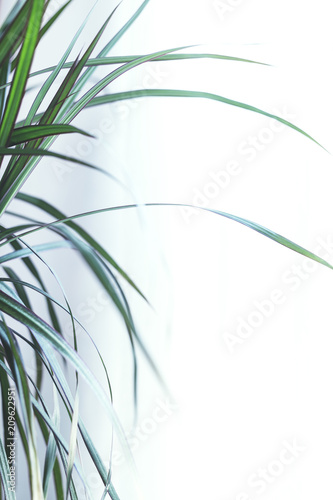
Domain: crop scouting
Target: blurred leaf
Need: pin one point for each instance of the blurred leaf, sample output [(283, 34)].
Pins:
[(52, 20), (125, 28), (21, 292), (33, 270), (15, 309), (62, 381), (4, 473), (4, 70), (72, 442), (12, 33), (57, 214), (51, 450), (24, 252), (14, 358), (43, 152)]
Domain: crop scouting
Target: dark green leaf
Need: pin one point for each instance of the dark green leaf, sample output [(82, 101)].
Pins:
[(30, 132), (11, 36), (41, 153), (57, 214), (14, 100)]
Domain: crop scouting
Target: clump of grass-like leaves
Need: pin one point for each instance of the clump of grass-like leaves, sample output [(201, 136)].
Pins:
[(23, 145)]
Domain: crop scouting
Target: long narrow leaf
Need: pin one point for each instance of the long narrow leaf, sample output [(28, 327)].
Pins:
[(51, 451), (43, 152), (86, 437), (134, 94), (4, 70), (88, 73), (106, 61), (69, 82), (56, 70), (278, 238), (24, 252), (36, 275), (22, 294), (45, 332), (12, 34), (5, 473), (104, 82), (72, 443), (21, 381), (31, 132), (54, 212), (19, 82), (125, 28), (51, 21)]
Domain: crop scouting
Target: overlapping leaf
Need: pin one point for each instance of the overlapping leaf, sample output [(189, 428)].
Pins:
[(26, 142)]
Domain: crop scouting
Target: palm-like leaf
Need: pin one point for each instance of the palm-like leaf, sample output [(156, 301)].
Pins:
[(26, 142)]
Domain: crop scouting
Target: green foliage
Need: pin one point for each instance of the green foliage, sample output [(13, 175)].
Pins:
[(23, 144)]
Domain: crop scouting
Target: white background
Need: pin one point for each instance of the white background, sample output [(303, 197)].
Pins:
[(203, 274)]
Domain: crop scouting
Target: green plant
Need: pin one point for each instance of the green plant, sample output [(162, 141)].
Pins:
[(23, 144)]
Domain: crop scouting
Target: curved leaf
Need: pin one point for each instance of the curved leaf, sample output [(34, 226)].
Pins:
[(54, 212), (106, 61), (43, 152), (4, 473), (19, 82), (278, 238), (13, 31), (134, 94), (30, 132)]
